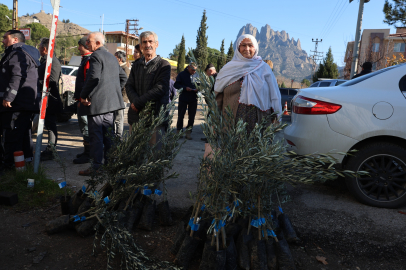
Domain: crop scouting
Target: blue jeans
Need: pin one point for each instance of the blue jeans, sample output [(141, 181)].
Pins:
[(101, 130)]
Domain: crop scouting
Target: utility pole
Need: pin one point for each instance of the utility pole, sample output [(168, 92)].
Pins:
[(130, 25), (15, 15), (357, 36), (317, 56)]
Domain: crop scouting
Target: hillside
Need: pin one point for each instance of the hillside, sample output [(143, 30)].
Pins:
[(289, 60), (46, 20)]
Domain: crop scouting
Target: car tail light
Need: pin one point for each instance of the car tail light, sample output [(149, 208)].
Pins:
[(304, 105), (290, 142)]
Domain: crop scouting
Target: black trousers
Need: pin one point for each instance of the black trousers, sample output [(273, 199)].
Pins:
[(16, 135), (191, 110), (101, 130), (50, 125)]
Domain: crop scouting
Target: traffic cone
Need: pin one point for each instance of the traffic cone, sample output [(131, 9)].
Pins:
[(285, 109), (19, 160)]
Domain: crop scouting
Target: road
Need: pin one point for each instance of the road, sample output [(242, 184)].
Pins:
[(323, 213)]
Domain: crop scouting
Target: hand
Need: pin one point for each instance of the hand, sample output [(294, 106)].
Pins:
[(188, 89), (133, 107), (78, 104), (85, 102), (6, 104)]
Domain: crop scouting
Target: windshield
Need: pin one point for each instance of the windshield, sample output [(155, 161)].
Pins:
[(367, 76), (66, 71)]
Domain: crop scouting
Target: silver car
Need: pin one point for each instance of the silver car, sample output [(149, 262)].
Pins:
[(328, 83)]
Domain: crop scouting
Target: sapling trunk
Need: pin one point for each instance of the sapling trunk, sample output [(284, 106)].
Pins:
[(249, 226), (195, 217), (259, 216)]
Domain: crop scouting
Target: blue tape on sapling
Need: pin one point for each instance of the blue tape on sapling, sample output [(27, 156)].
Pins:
[(62, 184), (191, 222), (236, 203), (195, 227), (158, 192), (228, 209), (83, 218), (84, 189), (280, 209), (147, 192), (203, 207), (76, 218), (107, 200)]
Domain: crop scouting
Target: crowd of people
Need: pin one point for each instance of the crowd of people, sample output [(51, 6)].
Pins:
[(246, 84)]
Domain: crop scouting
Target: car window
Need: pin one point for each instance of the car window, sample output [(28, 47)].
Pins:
[(314, 84), (284, 92), (324, 84), (369, 75), (292, 92), (402, 84), (75, 73), (340, 82), (66, 71)]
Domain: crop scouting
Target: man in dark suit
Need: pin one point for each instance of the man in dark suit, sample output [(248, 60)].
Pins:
[(54, 106), (102, 96)]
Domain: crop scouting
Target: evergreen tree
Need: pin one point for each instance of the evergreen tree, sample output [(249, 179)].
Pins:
[(5, 23), (306, 82), (174, 55), (230, 53), (221, 61), (201, 43), (181, 58), (38, 31), (395, 13), (328, 69), (283, 85)]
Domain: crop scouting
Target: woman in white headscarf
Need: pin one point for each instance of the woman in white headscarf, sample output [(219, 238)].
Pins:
[(247, 85)]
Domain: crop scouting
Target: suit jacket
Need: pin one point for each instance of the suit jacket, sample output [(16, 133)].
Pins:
[(103, 84)]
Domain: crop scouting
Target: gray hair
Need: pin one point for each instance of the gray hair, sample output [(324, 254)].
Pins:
[(147, 34), (44, 43), (98, 36), (120, 55)]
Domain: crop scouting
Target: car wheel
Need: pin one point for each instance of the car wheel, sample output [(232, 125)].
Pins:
[(385, 186)]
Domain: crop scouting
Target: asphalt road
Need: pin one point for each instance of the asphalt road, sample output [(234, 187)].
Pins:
[(323, 212)]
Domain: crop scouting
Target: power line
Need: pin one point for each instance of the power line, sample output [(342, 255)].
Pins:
[(330, 17), (336, 19), (333, 17)]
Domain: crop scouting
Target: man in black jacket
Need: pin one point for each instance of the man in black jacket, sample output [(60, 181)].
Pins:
[(366, 68), (148, 81), (101, 94), (187, 99), (54, 106), (18, 94), (82, 117)]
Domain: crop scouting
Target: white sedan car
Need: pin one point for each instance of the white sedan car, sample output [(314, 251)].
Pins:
[(367, 114)]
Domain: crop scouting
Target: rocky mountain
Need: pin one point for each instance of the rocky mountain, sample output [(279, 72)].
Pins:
[(286, 54), (46, 20)]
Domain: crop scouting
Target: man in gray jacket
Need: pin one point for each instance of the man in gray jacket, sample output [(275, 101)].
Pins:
[(101, 94)]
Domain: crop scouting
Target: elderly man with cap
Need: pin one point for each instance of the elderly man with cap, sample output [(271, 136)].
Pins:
[(187, 99), (82, 117), (101, 95)]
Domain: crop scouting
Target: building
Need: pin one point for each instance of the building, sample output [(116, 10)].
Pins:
[(377, 46), (116, 41)]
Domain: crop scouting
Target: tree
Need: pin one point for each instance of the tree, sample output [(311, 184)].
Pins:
[(395, 13), (67, 21), (328, 69), (283, 85), (306, 82), (174, 55), (67, 42), (230, 53), (38, 31), (213, 56), (201, 43), (5, 23), (221, 61), (63, 21), (181, 58)]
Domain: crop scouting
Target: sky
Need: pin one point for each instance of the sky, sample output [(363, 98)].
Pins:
[(334, 21)]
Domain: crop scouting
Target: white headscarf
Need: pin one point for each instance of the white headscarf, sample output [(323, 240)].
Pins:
[(259, 87)]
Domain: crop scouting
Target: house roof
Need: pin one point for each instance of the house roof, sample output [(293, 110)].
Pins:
[(121, 33), (398, 35)]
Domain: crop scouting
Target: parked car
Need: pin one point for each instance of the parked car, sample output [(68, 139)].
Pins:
[(67, 89), (366, 114), (328, 83), (287, 95)]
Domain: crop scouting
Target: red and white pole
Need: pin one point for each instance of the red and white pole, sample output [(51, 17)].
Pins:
[(19, 160), (45, 90)]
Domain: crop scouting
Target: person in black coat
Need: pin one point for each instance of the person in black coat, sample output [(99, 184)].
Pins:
[(83, 157), (101, 94), (187, 99), (54, 106), (18, 96), (366, 68)]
